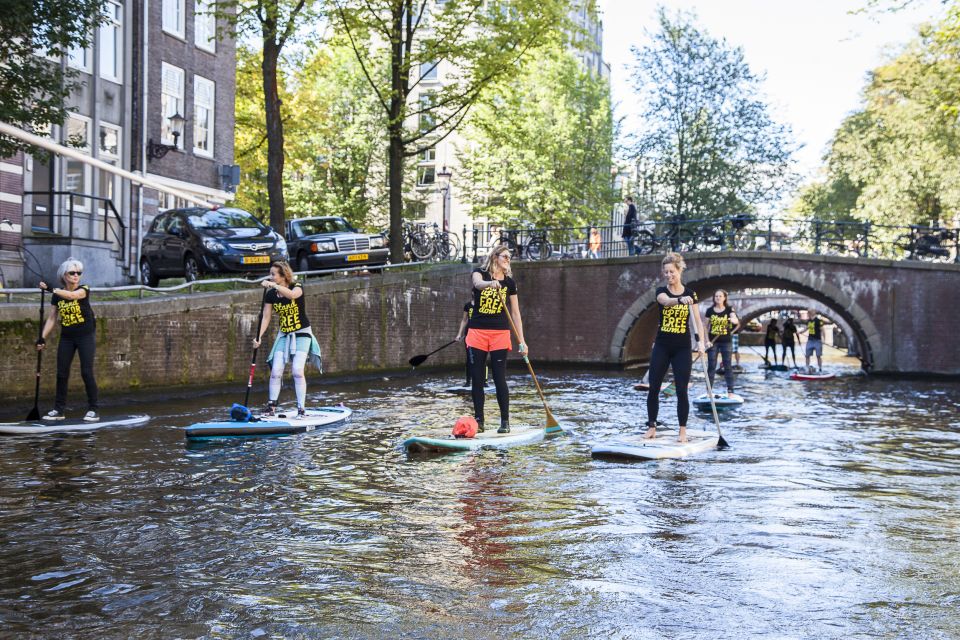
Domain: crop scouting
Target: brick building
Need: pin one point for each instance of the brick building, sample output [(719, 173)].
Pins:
[(147, 63)]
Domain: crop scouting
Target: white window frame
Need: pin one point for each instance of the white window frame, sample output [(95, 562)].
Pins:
[(173, 18), (109, 158), (80, 58), (422, 171), (112, 25), (86, 181), (205, 25), (171, 103), (430, 71), (198, 81)]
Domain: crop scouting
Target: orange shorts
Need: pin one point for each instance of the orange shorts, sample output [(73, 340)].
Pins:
[(489, 339)]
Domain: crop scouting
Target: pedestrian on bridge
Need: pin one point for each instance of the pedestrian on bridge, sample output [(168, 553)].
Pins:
[(671, 348), (629, 224)]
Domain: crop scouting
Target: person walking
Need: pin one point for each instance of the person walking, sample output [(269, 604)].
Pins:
[(594, 242), (721, 321), (488, 331), (78, 328), (671, 348), (629, 224), (295, 341), (788, 339)]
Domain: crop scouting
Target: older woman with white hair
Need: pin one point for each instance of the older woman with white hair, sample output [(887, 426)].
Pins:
[(78, 327)]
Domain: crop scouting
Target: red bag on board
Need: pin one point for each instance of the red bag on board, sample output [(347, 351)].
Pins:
[(466, 427)]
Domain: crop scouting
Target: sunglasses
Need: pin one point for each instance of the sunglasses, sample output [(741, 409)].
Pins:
[(504, 255), (74, 273)]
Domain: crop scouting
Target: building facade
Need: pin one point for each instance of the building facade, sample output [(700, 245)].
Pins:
[(150, 60)]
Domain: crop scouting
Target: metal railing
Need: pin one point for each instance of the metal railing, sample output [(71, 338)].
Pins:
[(79, 220), (735, 233)]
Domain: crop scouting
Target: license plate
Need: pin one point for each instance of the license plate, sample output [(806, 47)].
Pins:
[(358, 256), (256, 259)]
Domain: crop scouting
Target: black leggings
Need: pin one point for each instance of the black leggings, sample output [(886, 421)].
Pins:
[(87, 346), (477, 359), (723, 348), (789, 345), (663, 356)]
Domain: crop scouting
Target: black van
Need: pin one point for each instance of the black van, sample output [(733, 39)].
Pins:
[(188, 243)]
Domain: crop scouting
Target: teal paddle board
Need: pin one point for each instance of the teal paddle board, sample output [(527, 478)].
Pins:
[(665, 445), (65, 426), (285, 423), (441, 440)]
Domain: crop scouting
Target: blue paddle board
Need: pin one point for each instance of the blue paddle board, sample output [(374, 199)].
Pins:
[(285, 423)]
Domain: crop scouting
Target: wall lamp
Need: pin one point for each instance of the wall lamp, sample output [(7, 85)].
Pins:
[(156, 150)]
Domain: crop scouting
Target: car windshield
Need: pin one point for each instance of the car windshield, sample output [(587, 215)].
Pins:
[(323, 225), (225, 219)]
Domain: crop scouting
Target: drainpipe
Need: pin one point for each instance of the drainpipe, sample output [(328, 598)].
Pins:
[(145, 92)]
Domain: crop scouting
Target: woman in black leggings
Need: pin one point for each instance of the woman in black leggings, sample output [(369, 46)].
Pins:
[(494, 291), (672, 346), (78, 328)]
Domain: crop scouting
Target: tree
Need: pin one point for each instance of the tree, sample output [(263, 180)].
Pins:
[(897, 159), (714, 149), (540, 146), (36, 35), (397, 41), (276, 23)]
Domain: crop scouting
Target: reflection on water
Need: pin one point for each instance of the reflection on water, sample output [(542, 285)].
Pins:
[(832, 515)]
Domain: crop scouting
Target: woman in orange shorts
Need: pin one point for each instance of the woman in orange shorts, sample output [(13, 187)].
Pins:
[(488, 331)]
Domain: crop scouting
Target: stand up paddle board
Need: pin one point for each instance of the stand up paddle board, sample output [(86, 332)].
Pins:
[(665, 445), (441, 441), (721, 401), (65, 426), (775, 367), (285, 423), (458, 389), (799, 375)]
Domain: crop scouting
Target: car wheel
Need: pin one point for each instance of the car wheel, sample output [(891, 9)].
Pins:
[(302, 263), (191, 270), (147, 275)]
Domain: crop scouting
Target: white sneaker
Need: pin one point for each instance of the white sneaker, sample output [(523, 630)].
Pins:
[(54, 415), (91, 416)]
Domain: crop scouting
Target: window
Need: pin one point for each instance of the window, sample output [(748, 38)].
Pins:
[(205, 25), (171, 99), (430, 155), (173, 19), (427, 118), (203, 96), (426, 175), (77, 174), (108, 185), (80, 57), (111, 42), (428, 71)]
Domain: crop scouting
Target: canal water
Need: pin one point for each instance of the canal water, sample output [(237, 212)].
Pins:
[(834, 514)]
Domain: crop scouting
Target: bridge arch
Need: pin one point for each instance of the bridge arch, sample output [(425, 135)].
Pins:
[(637, 326)]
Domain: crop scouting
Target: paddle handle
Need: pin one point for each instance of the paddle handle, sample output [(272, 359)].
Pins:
[(35, 412), (713, 407), (441, 348), (253, 359)]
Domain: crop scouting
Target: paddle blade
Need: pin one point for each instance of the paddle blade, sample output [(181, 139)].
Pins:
[(552, 425), (239, 413), (34, 414), (722, 443), (416, 361)]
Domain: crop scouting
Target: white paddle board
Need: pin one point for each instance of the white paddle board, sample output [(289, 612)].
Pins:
[(812, 376), (441, 440), (283, 424), (458, 389), (665, 445), (720, 400), (64, 426)]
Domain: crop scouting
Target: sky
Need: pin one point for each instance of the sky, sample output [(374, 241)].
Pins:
[(814, 53)]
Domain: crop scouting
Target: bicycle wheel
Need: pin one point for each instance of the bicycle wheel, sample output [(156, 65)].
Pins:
[(539, 250), (420, 245), (449, 246), (645, 242)]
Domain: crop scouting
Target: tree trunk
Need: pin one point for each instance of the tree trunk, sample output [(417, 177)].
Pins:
[(271, 53), (395, 131)]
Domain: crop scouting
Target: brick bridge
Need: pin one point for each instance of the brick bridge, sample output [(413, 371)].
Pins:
[(902, 316)]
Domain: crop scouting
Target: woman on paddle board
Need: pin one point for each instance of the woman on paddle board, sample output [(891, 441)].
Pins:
[(787, 341), (78, 327), (672, 345), (295, 342), (721, 321), (770, 341), (488, 331)]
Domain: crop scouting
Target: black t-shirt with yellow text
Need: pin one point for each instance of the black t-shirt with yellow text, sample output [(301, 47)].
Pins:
[(291, 313), (720, 327), (76, 316), (674, 320), (488, 304), (813, 329)]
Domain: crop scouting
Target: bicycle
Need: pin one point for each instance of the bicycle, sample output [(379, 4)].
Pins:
[(445, 244), (676, 238), (923, 243), (538, 247), (416, 242)]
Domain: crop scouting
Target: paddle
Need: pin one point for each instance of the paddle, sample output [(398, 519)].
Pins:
[(35, 412), (416, 361), (721, 443), (552, 425), (240, 412)]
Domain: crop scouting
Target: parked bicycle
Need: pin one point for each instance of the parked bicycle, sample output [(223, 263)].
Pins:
[(445, 244), (926, 243), (416, 243)]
